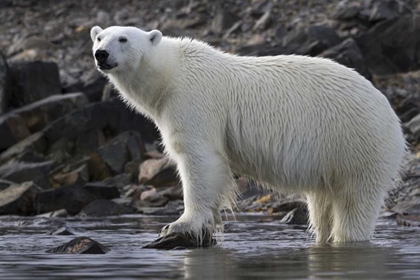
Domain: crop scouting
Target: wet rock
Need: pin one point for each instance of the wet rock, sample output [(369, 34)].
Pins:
[(157, 173), (4, 85), (80, 245), (72, 198), (388, 9), (20, 172), (408, 220), (100, 208), (33, 81), (348, 54), (311, 40), (18, 199), (102, 190), (62, 231), (388, 50), (178, 241)]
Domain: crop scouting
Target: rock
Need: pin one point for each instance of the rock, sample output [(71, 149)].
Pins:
[(92, 86), (100, 208), (34, 143), (298, 216), (18, 199), (311, 40), (38, 114), (78, 175), (348, 54), (262, 49), (72, 198), (33, 81), (388, 9), (178, 241), (4, 184), (172, 193), (414, 126), (62, 213), (80, 245), (111, 116), (102, 190), (388, 50), (408, 220), (172, 208), (62, 231), (20, 172), (120, 150), (119, 181), (346, 10), (157, 173), (13, 129), (4, 85), (223, 20)]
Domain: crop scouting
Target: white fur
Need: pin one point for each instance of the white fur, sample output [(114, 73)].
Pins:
[(292, 123)]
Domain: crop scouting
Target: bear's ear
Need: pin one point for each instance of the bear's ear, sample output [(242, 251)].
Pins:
[(95, 31), (155, 36)]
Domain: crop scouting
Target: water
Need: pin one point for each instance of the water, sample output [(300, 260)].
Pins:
[(254, 247)]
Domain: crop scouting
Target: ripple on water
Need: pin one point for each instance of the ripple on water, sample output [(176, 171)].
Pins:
[(252, 247)]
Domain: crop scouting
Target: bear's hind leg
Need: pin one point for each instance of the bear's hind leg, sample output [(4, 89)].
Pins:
[(355, 211), (207, 184), (320, 215)]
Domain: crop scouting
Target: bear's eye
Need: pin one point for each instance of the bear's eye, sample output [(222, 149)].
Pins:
[(122, 40), (99, 39)]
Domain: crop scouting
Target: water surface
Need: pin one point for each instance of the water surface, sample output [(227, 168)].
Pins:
[(253, 247)]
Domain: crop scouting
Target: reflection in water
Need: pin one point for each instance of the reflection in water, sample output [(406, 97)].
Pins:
[(254, 247)]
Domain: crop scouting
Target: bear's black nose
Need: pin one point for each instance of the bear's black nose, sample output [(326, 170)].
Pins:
[(101, 56)]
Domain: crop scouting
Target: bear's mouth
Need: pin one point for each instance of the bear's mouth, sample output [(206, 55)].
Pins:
[(106, 66)]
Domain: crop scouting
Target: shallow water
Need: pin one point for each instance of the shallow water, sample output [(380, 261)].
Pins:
[(253, 247)]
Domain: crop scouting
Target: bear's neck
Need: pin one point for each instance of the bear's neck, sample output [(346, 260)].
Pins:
[(147, 88)]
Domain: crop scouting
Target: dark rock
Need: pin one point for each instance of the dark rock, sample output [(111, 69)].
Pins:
[(33, 81), (348, 54), (4, 85), (178, 241), (223, 20), (409, 115), (100, 208), (62, 231), (12, 129), (388, 9), (62, 213), (263, 49), (387, 49), (111, 116), (4, 184), (92, 86), (120, 181), (311, 40), (414, 126), (80, 245), (20, 172), (34, 143), (172, 193), (72, 198), (297, 216), (172, 208), (36, 116), (75, 176), (346, 10), (408, 220), (158, 173), (102, 190), (18, 199)]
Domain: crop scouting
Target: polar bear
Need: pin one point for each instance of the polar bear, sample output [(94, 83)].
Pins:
[(291, 123)]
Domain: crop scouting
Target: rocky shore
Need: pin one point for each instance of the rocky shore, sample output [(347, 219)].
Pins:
[(69, 146)]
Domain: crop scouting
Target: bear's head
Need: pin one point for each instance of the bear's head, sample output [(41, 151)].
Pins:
[(121, 49)]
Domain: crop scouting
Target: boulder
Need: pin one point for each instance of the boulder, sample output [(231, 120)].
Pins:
[(392, 46), (388, 9), (179, 241), (80, 245), (33, 81), (101, 208), (348, 54), (102, 190), (4, 85), (20, 172), (158, 173), (18, 199), (92, 86), (311, 40), (34, 143)]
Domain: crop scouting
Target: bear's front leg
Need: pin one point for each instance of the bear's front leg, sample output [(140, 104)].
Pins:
[(206, 181)]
